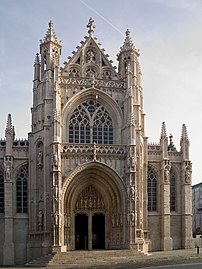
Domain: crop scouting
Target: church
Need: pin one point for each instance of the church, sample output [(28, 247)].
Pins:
[(87, 178)]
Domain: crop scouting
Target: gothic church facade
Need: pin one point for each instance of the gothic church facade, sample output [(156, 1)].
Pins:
[(87, 178)]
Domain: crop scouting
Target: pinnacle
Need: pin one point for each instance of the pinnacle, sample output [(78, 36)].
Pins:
[(9, 126), (184, 135), (163, 130), (128, 43)]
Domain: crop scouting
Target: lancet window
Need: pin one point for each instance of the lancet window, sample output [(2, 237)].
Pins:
[(21, 190), (89, 123), (172, 190), (1, 193), (152, 186)]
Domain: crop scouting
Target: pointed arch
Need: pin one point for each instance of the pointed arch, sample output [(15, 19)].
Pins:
[(1, 192), (22, 190), (152, 189), (108, 110), (172, 190)]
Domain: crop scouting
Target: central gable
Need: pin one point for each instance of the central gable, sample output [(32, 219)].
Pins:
[(90, 61)]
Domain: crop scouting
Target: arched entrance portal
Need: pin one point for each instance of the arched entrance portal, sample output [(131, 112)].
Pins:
[(94, 202), (89, 220)]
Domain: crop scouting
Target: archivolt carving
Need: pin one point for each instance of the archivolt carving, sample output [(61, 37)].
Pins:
[(89, 200)]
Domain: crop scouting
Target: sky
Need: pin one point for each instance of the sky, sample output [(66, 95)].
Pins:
[(167, 32)]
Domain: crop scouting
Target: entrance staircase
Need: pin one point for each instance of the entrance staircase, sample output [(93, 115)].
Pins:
[(87, 259)]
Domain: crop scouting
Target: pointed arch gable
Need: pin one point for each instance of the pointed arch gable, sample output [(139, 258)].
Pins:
[(108, 103)]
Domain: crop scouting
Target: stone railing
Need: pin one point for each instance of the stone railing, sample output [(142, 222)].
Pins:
[(94, 149), (88, 82), (16, 143), (154, 146)]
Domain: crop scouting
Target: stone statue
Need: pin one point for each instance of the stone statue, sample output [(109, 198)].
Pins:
[(40, 159)]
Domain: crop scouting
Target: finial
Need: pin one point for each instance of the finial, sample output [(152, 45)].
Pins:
[(91, 27), (127, 33), (50, 24), (171, 145), (37, 60)]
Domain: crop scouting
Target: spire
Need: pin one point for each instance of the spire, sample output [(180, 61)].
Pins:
[(184, 136), (50, 35), (91, 27), (163, 130), (128, 43)]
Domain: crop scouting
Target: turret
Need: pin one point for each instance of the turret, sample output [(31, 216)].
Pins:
[(50, 50), (10, 135)]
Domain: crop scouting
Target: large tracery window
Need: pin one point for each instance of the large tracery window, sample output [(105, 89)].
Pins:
[(1, 193), (152, 184), (89, 123), (21, 190), (172, 191)]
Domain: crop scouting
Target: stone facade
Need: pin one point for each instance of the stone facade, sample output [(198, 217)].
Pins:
[(87, 178)]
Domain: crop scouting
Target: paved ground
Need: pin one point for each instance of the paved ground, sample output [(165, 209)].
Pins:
[(153, 259)]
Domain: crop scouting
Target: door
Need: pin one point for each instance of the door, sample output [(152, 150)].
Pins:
[(81, 231), (98, 231)]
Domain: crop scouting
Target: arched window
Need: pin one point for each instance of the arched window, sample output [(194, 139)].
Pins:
[(151, 189), (172, 191), (21, 190), (89, 123), (1, 193)]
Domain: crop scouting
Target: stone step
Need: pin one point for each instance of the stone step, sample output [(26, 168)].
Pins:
[(72, 259)]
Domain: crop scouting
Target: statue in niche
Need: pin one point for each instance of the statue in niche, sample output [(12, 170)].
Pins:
[(133, 162), (166, 174), (55, 160), (8, 170), (56, 218), (90, 56), (187, 175), (40, 159), (41, 220), (132, 191), (113, 221)]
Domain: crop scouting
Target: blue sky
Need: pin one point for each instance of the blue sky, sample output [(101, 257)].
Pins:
[(167, 32)]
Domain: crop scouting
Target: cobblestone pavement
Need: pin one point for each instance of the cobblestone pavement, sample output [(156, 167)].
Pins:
[(153, 259)]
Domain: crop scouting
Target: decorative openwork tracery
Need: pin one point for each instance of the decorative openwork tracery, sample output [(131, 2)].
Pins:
[(172, 190), (1, 193), (21, 190), (90, 200), (152, 186), (89, 123)]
